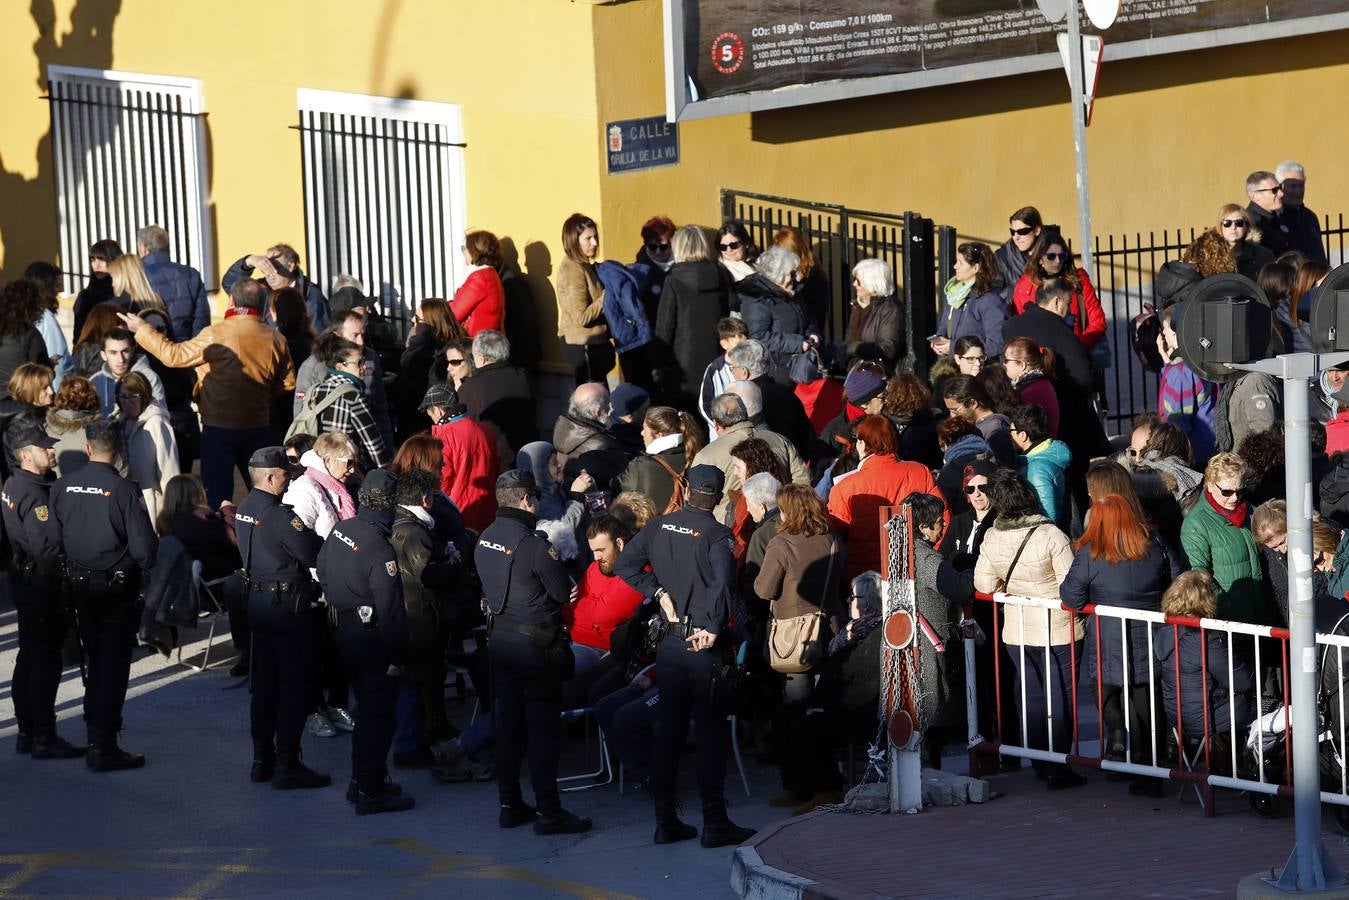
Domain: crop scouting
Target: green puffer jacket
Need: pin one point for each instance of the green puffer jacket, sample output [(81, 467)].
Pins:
[(1228, 553)]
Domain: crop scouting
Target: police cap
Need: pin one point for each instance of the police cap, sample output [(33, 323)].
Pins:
[(30, 436), (273, 458), (706, 479)]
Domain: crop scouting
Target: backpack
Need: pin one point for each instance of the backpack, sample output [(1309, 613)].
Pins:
[(306, 421), (681, 486), (623, 310)]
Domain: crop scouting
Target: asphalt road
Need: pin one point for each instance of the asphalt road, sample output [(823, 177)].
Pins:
[(190, 824)]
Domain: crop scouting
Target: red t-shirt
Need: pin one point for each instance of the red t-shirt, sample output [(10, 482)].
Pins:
[(603, 603)]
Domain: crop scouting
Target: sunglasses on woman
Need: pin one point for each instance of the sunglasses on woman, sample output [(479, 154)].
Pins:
[(732, 245), (1235, 223), (1020, 232), (974, 489), (654, 247), (1056, 257), (1230, 492), (455, 362)]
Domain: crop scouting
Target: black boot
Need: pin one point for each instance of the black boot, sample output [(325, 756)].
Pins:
[(369, 804), (104, 755), (50, 745), (264, 762), (669, 830), (388, 788), (515, 812), (1115, 744), (23, 742), (719, 830), (293, 775), (560, 821)]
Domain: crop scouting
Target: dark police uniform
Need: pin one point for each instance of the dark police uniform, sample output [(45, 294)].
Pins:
[(278, 550), (35, 585), (359, 572), (99, 520), (690, 555), (525, 586)]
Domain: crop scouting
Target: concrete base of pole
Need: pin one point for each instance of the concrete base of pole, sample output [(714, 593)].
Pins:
[(1257, 887)]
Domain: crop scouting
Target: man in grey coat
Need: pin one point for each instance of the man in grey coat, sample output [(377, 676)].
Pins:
[(350, 325)]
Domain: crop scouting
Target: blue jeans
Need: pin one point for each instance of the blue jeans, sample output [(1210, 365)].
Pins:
[(222, 451)]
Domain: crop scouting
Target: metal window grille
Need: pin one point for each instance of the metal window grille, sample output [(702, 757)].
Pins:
[(129, 150), (383, 195)]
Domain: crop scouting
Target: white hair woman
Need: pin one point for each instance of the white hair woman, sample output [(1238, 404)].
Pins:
[(320, 496), (874, 318), (773, 314)]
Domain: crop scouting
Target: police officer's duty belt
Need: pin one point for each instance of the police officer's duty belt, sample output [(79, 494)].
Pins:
[(361, 615), (543, 635)]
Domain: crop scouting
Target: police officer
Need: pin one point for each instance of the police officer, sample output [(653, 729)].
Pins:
[(35, 585), (278, 551), (692, 567), (99, 521), (359, 573), (525, 587)]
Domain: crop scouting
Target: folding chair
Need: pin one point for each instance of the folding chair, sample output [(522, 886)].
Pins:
[(216, 610), (1189, 761), (602, 775), (735, 724)]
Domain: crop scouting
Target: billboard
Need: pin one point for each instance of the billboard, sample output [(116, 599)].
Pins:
[(730, 56)]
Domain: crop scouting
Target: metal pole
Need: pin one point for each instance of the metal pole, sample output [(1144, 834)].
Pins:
[(1308, 868), (1075, 79)]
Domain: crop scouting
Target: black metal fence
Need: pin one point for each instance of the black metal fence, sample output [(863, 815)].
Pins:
[(1124, 267), (840, 237)]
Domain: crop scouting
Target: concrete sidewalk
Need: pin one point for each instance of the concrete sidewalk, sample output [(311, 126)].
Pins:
[(1094, 841)]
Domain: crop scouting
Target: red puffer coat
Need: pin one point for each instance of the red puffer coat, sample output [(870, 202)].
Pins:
[(480, 302), (855, 505), (470, 468)]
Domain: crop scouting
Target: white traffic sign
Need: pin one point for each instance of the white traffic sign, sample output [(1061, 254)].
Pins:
[(1092, 49), (1054, 10), (1101, 12)]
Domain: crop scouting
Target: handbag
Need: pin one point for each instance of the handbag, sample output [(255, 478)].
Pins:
[(794, 643)]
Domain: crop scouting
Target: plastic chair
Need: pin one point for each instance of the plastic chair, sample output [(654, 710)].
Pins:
[(602, 775), (218, 609)]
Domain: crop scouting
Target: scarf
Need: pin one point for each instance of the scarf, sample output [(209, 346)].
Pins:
[(242, 311), (1236, 517), (1186, 479), (359, 382), (664, 442), (849, 636), (957, 292), (346, 507)]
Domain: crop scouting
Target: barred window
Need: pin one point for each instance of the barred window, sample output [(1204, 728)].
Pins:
[(383, 195), (129, 150)]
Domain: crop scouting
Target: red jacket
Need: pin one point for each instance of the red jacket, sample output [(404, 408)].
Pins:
[(855, 505), (1090, 328), (823, 400), (1337, 433), (603, 603), (480, 302), (470, 469)]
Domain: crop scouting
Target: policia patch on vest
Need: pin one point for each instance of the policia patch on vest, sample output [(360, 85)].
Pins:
[(297, 523), (40, 512), (392, 567)]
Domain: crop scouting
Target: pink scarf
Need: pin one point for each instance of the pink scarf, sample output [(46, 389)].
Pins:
[(346, 507)]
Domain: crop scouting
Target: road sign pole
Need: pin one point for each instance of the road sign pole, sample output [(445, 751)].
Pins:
[(1075, 80)]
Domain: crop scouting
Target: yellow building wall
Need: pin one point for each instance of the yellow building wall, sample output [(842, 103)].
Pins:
[(520, 70), (1173, 139)]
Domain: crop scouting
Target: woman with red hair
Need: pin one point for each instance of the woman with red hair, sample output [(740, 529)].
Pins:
[(880, 479), (1121, 561), (480, 302)]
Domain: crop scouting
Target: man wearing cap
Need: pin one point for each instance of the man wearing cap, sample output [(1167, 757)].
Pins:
[(471, 462), (280, 268), (350, 324), (359, 572), (278, 551), (524, 587), (630, 403), (99, 521), (34, 577), (243, 365), (691, 570)]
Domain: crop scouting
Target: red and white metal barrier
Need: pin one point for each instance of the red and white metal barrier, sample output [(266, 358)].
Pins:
[(1263, 767)]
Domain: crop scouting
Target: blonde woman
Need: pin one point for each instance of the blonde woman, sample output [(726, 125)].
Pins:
[(697, 294), (130, 282), (150, 448)]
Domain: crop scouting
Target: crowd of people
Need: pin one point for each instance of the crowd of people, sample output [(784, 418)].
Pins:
[(697, 535)]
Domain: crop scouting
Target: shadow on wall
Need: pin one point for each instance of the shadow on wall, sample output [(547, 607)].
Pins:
[(946, 103), (28, 205), (538, 272)]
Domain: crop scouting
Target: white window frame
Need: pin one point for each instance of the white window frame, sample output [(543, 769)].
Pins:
[(116, 173), (380, 256)]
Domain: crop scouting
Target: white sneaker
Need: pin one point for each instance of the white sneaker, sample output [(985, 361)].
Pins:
[(340, 719), (318, 725)]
